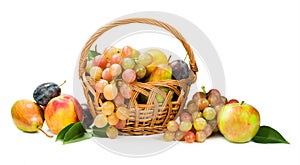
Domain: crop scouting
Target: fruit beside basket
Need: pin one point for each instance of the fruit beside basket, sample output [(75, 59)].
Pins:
[(137, 92)]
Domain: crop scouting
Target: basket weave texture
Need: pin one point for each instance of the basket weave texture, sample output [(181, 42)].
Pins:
[(150, 117)]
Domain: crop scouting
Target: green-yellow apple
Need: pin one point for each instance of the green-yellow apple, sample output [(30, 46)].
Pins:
[(238, 122), (62, 111), (161, 72)]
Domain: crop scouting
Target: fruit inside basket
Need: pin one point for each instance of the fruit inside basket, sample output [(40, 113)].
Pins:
[(131, 91)]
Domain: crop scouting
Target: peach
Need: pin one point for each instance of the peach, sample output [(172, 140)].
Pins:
[(62, 111)]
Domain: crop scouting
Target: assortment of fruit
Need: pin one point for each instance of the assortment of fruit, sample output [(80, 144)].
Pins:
[(116, 68), (113, 72), (211, 112), (199, 120), (58, 110)]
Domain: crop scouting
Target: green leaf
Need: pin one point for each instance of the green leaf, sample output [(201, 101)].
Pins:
[(74, 132), (267, 134), (92, 54), (61, 134), (99, 132), (78, 138)]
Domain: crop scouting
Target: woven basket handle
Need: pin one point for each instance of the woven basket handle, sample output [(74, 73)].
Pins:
[(99, 32)]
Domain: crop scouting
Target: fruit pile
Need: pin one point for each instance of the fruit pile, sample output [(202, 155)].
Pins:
[(58, 110), (199, 120), (115, 69)]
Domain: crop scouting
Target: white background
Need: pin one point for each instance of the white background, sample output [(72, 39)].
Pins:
[(258, 42)]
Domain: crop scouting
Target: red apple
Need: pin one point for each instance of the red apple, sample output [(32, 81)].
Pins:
[(62, 111), (238, 122)]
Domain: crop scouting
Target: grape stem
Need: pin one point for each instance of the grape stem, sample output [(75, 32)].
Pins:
[(203, 90)]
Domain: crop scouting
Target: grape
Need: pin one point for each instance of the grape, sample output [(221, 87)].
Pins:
[(122, 113), (112, 132), (119, 100), (110, 51), (115, 70), (110, 91), (95, 73), (100, 121), (209, 113), (121, 124), (218, 107), (113, 119), (126, 51), (185, 125), (100, 61), (232, 101), (134, 54), (202, 103), (106, 74), (198, 95), (108, 107), (200, 124), (169, 136), (172, 126), (99, 86), (116, 59), (89, 65), (200, 136), (214, 97), (185, 116), (189, 137), (140, 71), (196, 115), (145, 59), (45, 92), (212, 123), (179, 135), (223, 100), (129, 75), (128, 63), (125, 90), (192, 107), (208, 130)]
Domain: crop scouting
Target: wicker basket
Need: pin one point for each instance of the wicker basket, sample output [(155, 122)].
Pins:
[(150, 117)]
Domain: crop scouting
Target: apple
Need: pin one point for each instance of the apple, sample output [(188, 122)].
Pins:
[(62, 111), (238, 122)]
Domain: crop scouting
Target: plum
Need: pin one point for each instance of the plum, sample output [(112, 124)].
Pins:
[(180, 69)]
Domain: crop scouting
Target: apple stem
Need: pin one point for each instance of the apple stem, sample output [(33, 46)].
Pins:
[(49, 136), (63, 83), (169, 58), (203, 90), (242, 102)]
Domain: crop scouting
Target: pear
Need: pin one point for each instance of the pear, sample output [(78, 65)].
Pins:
[(28, 116), (158, 57), (161, 72)]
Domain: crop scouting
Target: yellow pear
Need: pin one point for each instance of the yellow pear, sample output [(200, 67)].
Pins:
[(158, 57)]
